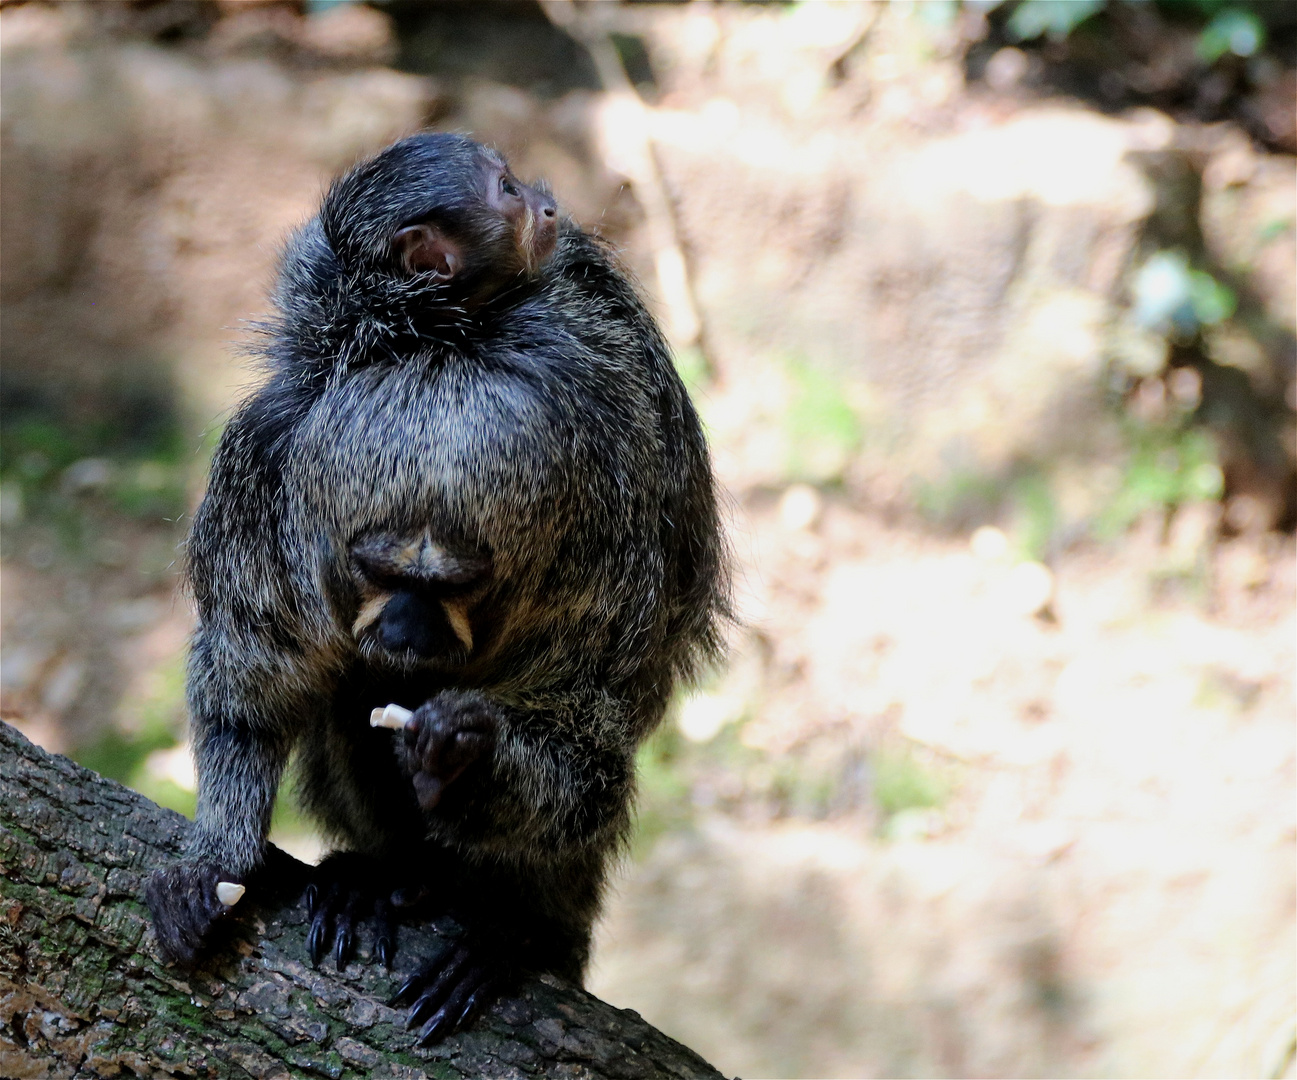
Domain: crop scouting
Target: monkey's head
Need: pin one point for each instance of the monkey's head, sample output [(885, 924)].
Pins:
[(440, 211), (416, 599)]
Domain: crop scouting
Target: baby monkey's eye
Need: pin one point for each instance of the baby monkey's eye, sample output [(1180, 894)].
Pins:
[(509, 187)]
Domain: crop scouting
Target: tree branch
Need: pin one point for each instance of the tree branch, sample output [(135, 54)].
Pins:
[(83, 992)]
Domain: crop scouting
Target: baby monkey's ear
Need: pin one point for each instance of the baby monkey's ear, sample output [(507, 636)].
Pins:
[(424, 249)]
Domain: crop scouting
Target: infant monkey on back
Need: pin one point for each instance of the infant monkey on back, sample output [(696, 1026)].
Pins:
[(473, 487)]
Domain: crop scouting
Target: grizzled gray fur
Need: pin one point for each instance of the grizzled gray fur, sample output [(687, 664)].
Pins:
[(473, 484)]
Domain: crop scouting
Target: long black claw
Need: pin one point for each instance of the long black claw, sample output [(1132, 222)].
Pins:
[(435, 1028), (317, 939), (477, 1001), (342, 947), (444, 1020), (432, 998), (405, 988), (384, 932), (312, 897)]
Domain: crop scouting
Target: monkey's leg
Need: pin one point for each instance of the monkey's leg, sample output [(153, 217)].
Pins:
[(349, 887), (449, 993), (549, 788), (507, 930)]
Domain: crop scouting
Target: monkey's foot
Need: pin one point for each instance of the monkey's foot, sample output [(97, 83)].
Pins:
[(448, 993), (346, 889), (185, 907)]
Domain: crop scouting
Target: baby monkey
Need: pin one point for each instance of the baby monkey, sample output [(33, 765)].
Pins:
[(416, 597), (472, 486)]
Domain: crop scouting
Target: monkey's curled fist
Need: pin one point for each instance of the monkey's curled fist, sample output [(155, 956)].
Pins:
[(472, 487)]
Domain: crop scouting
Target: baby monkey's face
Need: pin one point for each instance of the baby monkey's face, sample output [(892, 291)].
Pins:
[(504, 230), (531, 212)]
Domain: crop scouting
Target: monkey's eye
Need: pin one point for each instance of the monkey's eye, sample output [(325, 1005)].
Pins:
[(509, 187)]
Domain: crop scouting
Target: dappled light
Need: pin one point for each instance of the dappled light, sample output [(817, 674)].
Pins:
[(989, 310)]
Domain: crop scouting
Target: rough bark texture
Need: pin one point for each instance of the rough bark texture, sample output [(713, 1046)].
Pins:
[(83, 993)]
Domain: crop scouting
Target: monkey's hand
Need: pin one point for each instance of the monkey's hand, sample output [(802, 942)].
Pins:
[(446, 735), (449, 992), (185, 907), (347, 887)]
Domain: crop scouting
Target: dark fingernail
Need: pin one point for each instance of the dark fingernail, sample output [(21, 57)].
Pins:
[(342, 948), (315, 942), (312, 897), (433, 1029), (410, 983), (384, 949), (475, 1000)]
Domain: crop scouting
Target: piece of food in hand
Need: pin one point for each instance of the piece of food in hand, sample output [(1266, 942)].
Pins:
[(228, 893), (393, 717)]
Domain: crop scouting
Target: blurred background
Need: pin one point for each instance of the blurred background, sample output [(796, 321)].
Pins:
[(989, 309)]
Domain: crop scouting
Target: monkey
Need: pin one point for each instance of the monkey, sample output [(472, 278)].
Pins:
[(473, 485)]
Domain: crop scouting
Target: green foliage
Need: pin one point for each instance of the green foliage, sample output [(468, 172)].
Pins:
[(286, 819), (1167, 466), (691, 365), (55, 469), (157, 717), (123, 755), (1056, 18), (1232, 27), (938, 14), (1170, 294), (968, 497), (1212, 302), (901, 782), (1274, 228), (1232, 30), (959, 498), (663, 804), (149, 489), (1035, 514), (822, 427), (120, 756)]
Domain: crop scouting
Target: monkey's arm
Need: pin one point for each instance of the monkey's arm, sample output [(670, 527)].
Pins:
[(245, 714), (257, 672), (555, 779)]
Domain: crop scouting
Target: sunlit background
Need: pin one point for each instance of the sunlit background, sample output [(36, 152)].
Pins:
[(989, 310)]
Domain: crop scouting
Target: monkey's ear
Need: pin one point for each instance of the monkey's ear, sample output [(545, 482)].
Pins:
[(425, 249)]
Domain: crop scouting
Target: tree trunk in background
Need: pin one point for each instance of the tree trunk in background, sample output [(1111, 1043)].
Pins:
[(83, 993)]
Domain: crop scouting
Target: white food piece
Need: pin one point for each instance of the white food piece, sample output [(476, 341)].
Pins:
[(229, 893), (393, 717)]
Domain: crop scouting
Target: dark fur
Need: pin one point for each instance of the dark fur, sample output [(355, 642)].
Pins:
[(542, 433)]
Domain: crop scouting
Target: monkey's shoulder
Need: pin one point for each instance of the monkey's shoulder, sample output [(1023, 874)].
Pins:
[(587, 284)]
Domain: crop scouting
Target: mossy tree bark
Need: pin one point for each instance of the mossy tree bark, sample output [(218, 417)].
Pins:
[(83, 992)]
